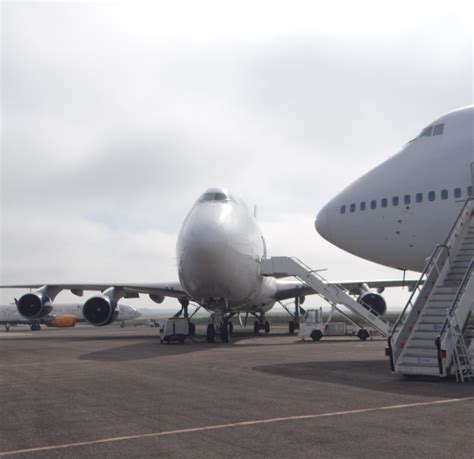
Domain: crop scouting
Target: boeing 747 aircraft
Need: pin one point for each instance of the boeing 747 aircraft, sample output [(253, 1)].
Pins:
[(398, 212), (219, 251), (62, 315)]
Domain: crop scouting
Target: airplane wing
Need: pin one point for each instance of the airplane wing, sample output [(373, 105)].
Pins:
[(170, 289), (287, 289)]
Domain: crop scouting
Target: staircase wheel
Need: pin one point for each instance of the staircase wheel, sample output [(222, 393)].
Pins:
[(362, 334)]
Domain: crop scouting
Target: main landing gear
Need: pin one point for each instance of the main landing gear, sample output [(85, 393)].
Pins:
[(261, 324), (294, 325), (35, 327), (219, 326)]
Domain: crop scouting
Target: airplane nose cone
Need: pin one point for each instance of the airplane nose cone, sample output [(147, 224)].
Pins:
[(209, 241), (322, 223)]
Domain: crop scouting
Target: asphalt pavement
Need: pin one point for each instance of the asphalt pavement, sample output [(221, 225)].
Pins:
[(111, 392)]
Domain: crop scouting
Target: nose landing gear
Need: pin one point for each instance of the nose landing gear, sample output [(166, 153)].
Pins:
[(219, 325), (261, 324)]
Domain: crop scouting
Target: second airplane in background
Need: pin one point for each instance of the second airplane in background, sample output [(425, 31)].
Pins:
[(220, 249), (61, 315)]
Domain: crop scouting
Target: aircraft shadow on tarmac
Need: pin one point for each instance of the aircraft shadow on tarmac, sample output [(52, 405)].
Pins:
[(145, 349), (369, 374)]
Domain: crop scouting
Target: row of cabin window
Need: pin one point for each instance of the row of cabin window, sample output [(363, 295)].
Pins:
[(457, 193)]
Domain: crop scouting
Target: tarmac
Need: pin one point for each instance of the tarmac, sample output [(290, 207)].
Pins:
[(111, 392)]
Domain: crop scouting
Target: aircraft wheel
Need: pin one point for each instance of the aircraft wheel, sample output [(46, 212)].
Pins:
[(231, 328), (291, 327), (225, 332), (316, 335), (210, 333), (267, 327), (256, 327), (362, 334)]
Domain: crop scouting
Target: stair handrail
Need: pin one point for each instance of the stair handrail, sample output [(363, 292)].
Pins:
[(450, 314), (436, 252), (332, 284)]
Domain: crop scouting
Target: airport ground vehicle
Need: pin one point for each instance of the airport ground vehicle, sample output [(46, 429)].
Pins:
[(175, 329), (312, 326)]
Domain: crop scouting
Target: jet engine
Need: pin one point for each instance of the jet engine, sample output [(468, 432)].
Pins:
[(374, 300), (156, 298), (100, 310), (34, 305)]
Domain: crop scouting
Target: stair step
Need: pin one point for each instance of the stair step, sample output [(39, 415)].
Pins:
[(444, 290), (418, 369), (419, 360), (421, 352), (433, 327), (422, 342), (426, 319), (434, 313), (425, 335)]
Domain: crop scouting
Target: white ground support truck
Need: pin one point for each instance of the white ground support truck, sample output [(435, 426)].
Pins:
[(175, 329), (312, 326)]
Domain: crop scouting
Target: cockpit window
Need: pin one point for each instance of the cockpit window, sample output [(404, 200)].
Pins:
[(427, 131), (438, 129), (207, 197)]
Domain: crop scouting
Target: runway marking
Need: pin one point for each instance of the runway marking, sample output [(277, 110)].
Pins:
[(231, 425)]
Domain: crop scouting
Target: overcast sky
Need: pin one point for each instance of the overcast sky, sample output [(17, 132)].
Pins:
[(116, 116)]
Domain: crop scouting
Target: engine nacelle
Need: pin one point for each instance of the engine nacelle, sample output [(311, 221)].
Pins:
[(100, 310), (156, 298), (34, 305), (375, 301)]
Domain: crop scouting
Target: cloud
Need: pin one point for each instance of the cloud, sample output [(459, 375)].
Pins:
[(116, 117)]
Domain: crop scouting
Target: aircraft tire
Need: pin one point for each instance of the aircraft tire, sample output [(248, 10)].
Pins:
[(231, 328), (210, 333), (291, 327), (225, 332), (267, 327), (256, 327)]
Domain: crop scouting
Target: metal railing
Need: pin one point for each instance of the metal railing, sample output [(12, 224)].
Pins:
[(427, 282), (450, 314), (421, 286), (338, 287)]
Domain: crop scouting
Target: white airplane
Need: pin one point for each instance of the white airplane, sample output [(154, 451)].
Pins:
[(62, 315), (397, 213), (219, 253)]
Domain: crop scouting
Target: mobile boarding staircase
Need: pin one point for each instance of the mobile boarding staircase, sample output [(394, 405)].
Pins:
[(334, 294), (428, 338)]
